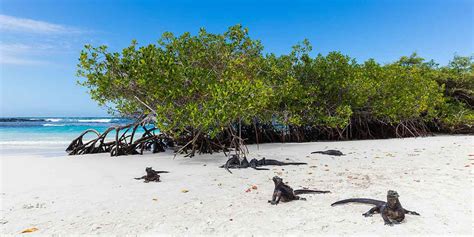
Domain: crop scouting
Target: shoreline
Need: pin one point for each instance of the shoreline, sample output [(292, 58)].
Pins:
[(96, 194)]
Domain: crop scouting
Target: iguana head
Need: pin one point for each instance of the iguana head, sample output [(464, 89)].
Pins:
[(392, 198), (148, 169), (392, 193), (277, 180)]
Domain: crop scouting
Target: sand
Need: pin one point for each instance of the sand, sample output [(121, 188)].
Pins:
[(96, 194)]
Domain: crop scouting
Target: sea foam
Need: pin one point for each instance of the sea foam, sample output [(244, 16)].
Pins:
[(53, 125), (53, 120), (94, 120)]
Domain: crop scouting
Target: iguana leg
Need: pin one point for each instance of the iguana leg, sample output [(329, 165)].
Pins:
[(140, 177), (411, 212), (276, 198), (385, 218), (273, 197), (371, 211)]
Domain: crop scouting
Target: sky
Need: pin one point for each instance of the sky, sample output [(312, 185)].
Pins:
[(40, 40)]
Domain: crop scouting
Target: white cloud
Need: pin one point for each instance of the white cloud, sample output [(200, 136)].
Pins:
[(15, 24), (23, 54), (23, 48), (33, 42), (12, 60)]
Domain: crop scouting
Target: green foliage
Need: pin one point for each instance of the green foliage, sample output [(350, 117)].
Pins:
[(201, 83), (209, 82), (403, 93), (455, 116), (458, 79), (317, 91)]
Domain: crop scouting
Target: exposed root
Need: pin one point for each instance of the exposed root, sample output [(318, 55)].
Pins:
[(125, 142)]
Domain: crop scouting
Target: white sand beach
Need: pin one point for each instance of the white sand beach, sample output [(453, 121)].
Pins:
[(96, 194)]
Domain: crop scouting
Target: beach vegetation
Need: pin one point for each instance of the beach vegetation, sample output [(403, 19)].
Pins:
[(211, 92)]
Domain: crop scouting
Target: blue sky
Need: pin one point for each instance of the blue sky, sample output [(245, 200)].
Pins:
[(40, 40)]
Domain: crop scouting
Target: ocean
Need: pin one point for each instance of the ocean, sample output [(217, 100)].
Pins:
[(20, 135)]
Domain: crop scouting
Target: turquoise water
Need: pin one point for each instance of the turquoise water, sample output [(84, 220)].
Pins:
[(52, 130)]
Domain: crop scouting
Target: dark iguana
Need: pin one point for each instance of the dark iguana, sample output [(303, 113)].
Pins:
[(392, 211), (329, 152), (235, 163), (285, 193), (151, 175)]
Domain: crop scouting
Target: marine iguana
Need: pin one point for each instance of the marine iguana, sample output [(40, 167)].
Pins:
[(329, 152), (235, 163), (285, 193), (262, 162), (392, 211), (151, 175)]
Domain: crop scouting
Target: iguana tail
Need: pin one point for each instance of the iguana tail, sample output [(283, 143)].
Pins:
[(226, 166), (294, 163), (161, 171), (303, 191), (360, 200)]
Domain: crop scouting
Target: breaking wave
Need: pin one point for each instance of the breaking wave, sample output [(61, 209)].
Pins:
[(95, 120), (53, 120), (53, 125)]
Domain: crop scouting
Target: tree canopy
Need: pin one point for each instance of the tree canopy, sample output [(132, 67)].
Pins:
[(210, 84)]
